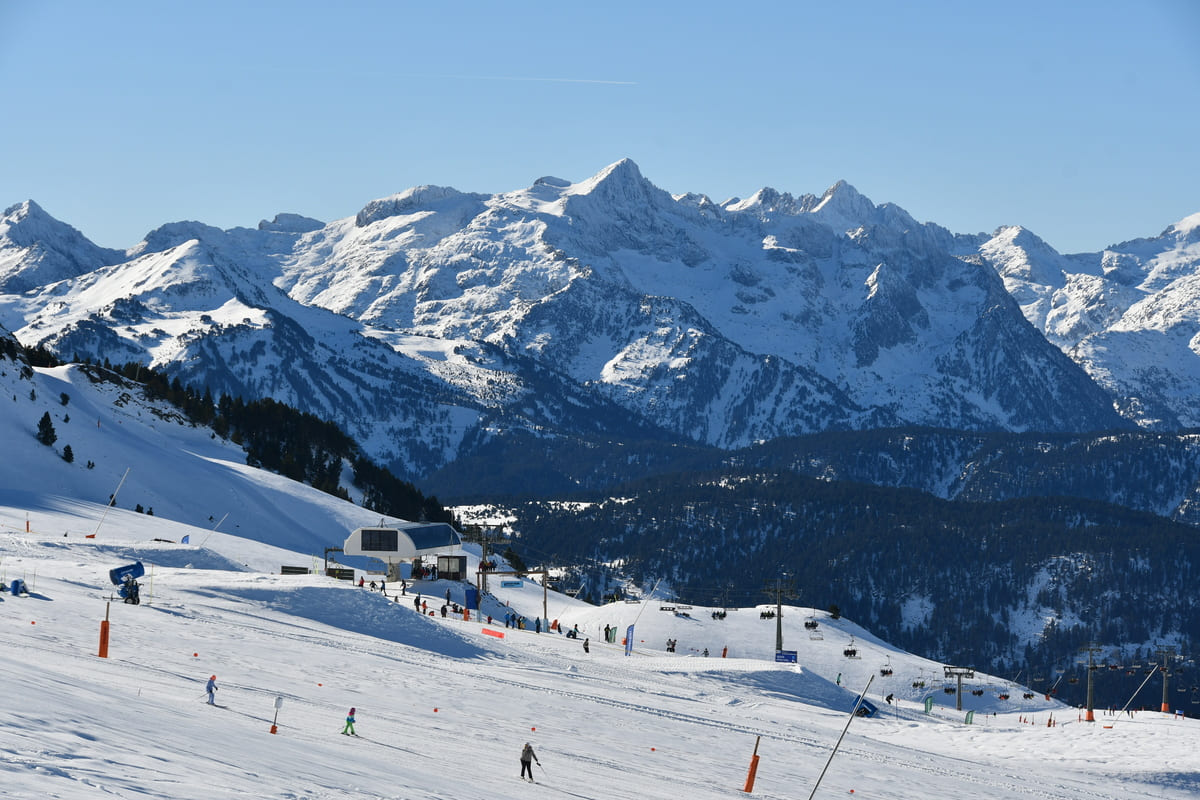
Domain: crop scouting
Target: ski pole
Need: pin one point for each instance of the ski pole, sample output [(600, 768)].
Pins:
[(540, 765)]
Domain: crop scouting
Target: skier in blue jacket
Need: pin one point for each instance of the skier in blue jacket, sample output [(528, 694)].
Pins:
[(211, 688)]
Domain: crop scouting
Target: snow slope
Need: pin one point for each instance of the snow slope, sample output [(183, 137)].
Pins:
[(443, 707)]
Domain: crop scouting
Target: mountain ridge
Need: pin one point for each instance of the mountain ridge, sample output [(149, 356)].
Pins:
[(724, 323)]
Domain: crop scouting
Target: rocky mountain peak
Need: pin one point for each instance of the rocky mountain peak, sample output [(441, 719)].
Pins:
[(291, 223), (407, 202), (36, 249), (843, 207)]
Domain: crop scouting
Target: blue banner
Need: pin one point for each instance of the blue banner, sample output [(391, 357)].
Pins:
[(629, 641)]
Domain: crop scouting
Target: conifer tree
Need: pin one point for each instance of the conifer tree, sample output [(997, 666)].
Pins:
[(45, 430)]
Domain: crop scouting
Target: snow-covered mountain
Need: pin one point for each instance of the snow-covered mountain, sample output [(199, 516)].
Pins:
[(434, 318), (1129, 315), (36, 249)]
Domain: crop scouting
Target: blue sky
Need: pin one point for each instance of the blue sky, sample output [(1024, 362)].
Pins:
[(1076, 120)]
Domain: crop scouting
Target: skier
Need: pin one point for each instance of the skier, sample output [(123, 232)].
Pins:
[(417, 603), (585, 646), (361, 581), (527, 757), (349, 729), (211, 688)]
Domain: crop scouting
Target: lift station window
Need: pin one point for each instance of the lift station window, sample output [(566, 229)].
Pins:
[(380, 539)]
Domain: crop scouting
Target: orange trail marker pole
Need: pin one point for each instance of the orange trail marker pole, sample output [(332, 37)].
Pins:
[(104, 633), (753, 767)]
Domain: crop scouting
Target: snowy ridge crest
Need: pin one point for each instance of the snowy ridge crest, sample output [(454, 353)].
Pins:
[(610, 299)]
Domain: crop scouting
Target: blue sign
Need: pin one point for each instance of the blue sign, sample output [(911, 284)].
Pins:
[(510, 584), (785, 656)]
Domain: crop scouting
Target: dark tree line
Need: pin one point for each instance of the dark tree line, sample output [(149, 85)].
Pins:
[(990, 572)]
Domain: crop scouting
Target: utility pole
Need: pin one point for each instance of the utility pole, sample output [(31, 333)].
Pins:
[(780, 589)]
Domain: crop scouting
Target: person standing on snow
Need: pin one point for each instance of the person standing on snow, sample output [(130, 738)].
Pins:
[(349, 728), (211, 688), (527, 759)]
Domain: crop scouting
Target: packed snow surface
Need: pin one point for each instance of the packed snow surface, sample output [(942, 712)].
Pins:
[(444, 705)]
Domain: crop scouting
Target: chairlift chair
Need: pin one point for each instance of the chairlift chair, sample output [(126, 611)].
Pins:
[(851, 651)]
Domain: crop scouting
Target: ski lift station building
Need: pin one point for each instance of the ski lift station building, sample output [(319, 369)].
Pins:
[(406, 542)]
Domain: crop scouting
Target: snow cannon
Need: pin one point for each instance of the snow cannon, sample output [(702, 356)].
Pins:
[(866, 709), (126, 577)]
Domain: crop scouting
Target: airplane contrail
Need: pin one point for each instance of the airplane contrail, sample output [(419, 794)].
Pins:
[(528, 79)]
